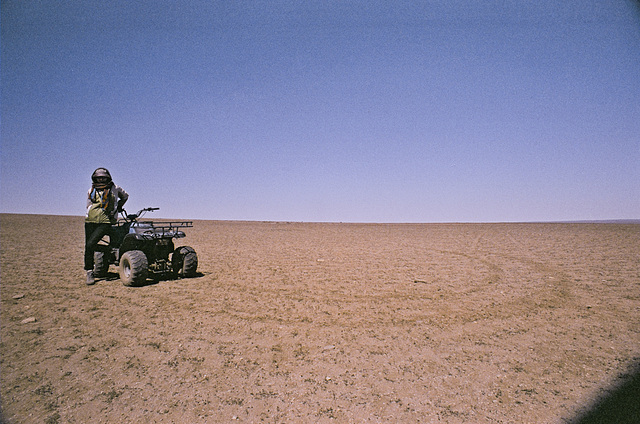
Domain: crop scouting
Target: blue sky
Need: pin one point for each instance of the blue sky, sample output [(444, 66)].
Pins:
[(354, 111)]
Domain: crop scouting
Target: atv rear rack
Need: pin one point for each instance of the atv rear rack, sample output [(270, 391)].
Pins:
[(165, 229)]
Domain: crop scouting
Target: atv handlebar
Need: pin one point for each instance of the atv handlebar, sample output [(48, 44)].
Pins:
[(132, 217), (163, 229)]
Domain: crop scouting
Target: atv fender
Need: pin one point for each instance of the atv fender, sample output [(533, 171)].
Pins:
[(131, 242)]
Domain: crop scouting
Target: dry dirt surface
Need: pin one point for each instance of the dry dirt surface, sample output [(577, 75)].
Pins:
[(322, 323)]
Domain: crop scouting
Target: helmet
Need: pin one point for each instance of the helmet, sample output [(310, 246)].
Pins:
[(101, 175)]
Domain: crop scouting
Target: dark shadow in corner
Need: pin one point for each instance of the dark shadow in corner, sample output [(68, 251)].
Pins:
[(620, 404)]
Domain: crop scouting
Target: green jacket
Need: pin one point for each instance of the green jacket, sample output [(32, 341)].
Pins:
[(102, 205)]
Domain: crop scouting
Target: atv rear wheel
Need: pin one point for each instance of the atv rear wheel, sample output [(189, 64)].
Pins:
[(184, 262), (134, 268)]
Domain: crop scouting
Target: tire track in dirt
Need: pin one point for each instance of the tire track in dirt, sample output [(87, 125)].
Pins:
[(324, 323)]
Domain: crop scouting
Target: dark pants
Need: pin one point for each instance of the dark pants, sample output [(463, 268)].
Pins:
[(93, 233)]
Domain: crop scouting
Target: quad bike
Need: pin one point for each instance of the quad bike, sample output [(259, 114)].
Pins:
[(143, 249)]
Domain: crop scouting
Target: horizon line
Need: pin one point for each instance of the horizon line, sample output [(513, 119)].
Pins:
[(577, 221)]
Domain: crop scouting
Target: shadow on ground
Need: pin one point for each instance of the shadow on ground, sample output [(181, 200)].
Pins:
[(114, 276), (619, 405)]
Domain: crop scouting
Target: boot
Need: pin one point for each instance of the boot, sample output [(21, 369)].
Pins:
[(90, 280)]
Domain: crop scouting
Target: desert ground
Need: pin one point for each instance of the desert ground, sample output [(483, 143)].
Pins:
[(322, 323)]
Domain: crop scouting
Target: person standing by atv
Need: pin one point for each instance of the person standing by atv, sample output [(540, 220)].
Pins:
[(104, 201)]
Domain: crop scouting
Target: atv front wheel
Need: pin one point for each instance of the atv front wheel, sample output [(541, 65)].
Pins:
[(133, 268), (184, 262)]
